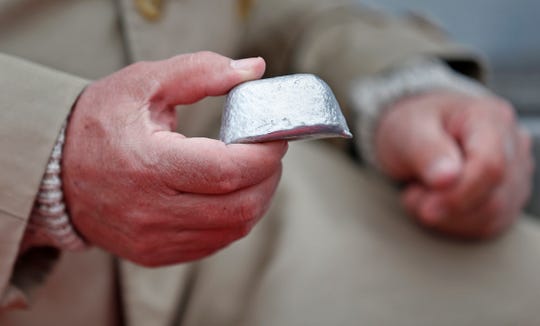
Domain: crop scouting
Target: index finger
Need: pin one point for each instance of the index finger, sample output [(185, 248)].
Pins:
[(208, 166), (485, 164)]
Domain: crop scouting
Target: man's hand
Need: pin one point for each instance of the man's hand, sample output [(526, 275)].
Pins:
[(468, 163), (148, 194)]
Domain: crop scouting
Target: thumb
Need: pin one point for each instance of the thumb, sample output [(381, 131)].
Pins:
[(434, 157), (188, 78), (421, 150)]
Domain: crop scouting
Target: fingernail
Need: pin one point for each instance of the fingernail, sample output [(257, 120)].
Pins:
[(443, 171), (245, 64)]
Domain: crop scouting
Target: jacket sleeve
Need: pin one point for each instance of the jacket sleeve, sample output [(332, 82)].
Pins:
[(34, 103), (342, 41)]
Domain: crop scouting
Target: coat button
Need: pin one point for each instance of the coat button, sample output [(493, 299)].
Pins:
[(244, 8), (149, 9)]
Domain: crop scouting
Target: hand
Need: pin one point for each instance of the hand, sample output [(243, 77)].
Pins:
[(151, 195), (467, 162)]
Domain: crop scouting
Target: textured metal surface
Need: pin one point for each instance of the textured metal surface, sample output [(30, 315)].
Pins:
[(288, 107)]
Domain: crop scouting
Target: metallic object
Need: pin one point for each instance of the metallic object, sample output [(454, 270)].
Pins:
[(289, 107)]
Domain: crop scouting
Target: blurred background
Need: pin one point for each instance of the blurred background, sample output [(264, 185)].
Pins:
[(507, 33)]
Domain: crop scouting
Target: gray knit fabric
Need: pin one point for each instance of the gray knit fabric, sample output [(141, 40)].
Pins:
[(49, 223), (371, 97)]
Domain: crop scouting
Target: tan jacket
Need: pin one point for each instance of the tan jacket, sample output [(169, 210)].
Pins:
[(53, 48)]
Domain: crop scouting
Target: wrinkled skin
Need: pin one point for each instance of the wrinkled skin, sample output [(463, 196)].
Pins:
[(467, 163), (151, 195)]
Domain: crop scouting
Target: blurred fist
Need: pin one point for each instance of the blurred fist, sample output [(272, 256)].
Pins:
[(467, 162), (153, 196)]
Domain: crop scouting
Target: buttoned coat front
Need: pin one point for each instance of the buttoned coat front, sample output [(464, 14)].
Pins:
[(335, 247)]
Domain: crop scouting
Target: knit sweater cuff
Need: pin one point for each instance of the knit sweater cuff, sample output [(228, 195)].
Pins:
[(49, 223), (371, 97)]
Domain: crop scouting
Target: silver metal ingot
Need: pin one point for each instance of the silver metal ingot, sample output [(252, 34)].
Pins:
[(288, 107)]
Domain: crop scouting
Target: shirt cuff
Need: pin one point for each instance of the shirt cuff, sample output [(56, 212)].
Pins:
[(371, 97)]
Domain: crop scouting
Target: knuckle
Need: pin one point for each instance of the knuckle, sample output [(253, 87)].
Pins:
[(198, 59), (249, 212), (494, 169), (205, 54), (227, 185), (228, 179), (150, 175), (246, 214)]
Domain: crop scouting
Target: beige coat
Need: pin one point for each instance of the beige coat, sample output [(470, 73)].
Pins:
[(53, 48)]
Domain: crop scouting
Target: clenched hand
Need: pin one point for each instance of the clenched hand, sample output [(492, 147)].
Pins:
[(148, 194), (467, 162)]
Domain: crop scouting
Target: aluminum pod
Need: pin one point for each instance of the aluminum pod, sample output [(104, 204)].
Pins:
[(291, 107)]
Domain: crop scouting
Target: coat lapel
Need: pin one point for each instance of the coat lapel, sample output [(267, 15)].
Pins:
[(183, 26)]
